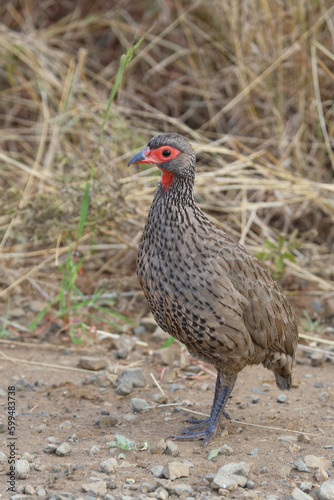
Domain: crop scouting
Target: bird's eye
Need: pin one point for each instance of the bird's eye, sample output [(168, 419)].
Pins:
[(166, 153)]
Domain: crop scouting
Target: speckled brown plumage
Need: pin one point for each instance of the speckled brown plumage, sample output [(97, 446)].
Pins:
[(205, 289)]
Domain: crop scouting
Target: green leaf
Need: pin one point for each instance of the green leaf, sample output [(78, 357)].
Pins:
[(168, 342), (213, 454)]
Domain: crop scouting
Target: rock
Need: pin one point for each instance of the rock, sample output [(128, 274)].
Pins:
[(93, 450), (243, 405), (97, 489), (287, 439), (65, 426), (326, 491), (304, 438), (298, 494), (301, 466), (22, 468), (172, 449), (174, 470), (323, 396), (157, 471), (23, 385), (181, 490), (318, 385), (317, 359), (281, 398), (40, 428), (106, 421), (29, 490), (28, 456), (317, 462), (109, 466), (159, 493), (138, 404), (40, 491), (124, 388), (225, 450), (125, 345), (231, 476), (254, 452), (133, 375), (63, 450), (320, 475), (255, 400), (50, 448), (306, 486), (285, 471), (92, 363), (264, 470)]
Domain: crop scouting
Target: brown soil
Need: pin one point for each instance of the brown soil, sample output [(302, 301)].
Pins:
[(76, 397)]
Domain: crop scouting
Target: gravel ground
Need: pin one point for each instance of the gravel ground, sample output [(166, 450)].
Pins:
[(66, 419)]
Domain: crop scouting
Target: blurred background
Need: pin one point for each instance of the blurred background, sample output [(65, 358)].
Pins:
[(250, 83)]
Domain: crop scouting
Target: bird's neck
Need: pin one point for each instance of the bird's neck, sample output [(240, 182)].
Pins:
[(175, 190)]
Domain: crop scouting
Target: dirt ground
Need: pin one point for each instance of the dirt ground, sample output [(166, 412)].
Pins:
[(61, 402)]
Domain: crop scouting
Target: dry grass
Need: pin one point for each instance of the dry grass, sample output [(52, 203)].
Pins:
[(251, 85)]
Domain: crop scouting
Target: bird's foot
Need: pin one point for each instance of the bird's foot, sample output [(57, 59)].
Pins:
[(193, 434), (205, 421)]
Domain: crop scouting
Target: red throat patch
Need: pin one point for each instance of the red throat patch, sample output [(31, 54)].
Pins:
[(166, 179)]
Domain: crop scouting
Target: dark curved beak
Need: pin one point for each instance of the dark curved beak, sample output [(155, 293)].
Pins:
[(139, 158)]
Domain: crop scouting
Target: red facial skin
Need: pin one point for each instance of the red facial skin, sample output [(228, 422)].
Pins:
[(155, 157)]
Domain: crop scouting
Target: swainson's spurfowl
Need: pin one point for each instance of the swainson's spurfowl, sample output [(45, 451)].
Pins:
[(205, 289)]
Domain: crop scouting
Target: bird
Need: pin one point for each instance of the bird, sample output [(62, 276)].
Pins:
[(207, 290)]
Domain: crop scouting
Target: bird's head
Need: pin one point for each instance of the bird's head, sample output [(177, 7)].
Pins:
[(173, 154)]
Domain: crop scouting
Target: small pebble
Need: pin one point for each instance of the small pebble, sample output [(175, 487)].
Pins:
[(317, 359), (243, 405), (133, 375), (326, 491), (281, 398), (317, 462), (318, 385), (22, 469), (301, 466), (157, 471), (298, 494), (225, 450), (181, 490), (124, 388), (320, 475), (323, 396), (255, 400), (172, 449), (63, 450), (93, 450), (109, 466), (306, 486), (264, 470), (97, 489), (174, 470), (50, 448), (304, 438), (92, 363), (138, 405), (159, 448), (254, 452), (29, 490), (106, 421), (23, 385), (65, 426)]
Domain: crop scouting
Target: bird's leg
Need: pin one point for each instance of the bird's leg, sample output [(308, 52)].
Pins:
[(204, 421), (192, 433)]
